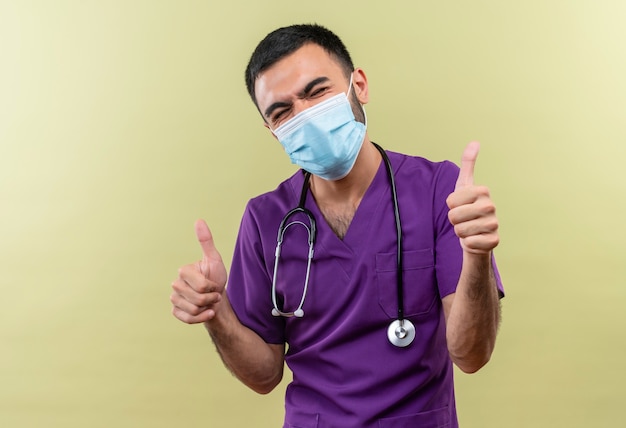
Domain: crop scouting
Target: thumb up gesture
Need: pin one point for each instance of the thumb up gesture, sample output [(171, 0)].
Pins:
[(472, 212), (200, 286)]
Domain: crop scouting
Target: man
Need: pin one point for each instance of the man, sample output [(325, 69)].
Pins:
[(356, 359)]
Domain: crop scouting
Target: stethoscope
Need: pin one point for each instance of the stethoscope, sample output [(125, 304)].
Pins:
[(401, 331)]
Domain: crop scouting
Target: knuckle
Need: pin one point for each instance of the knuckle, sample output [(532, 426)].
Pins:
[(194, 299), (186, 317), (181, 315), (486, 206), (482, 190), (207, 299), (195, 310), (202, 300), (453, 216), (186, 270), (470, 241), (177, 285), (490, 207), (453, 200), (173, 298), (204, 286)]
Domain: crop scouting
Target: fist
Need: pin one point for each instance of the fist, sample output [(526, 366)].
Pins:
[(472, 212), (199, 288)]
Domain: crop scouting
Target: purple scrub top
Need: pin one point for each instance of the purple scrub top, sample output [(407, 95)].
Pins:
[(345, 371)]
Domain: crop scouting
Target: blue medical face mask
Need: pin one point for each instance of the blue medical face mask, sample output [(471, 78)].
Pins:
[(324, 139)]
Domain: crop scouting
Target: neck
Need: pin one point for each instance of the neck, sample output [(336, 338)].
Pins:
[(350, 189)]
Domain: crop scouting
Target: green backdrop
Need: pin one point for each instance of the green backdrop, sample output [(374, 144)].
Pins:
[(121, 122)]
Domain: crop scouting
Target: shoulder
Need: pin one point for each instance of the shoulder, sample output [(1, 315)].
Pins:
[(420, 169), (263, 213), (278, 201)]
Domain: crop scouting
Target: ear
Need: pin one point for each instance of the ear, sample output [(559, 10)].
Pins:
[(359, 82)]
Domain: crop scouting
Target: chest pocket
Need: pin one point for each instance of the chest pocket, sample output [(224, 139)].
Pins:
[(418, 280)]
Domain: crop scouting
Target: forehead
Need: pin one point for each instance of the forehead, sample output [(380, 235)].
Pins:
[(290, 74)]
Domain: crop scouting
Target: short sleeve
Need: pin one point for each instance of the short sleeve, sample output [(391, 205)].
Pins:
[(250, 285)]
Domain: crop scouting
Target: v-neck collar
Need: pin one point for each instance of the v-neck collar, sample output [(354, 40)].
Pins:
[(359, 228)]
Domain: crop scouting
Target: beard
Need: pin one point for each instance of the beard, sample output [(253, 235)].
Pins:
[(357, 108)]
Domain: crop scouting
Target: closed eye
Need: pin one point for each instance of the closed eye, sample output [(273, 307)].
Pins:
[(317, 92), (279, 116)]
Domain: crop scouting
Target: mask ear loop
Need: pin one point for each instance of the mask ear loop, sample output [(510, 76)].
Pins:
[(364, 114), (350, 86)]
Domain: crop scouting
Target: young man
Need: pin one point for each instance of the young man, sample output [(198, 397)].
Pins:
[(367, 348)]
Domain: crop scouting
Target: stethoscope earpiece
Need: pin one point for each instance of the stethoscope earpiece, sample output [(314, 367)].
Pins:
[(298, 313)]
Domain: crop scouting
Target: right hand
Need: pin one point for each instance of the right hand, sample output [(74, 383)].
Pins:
[(200, 286)]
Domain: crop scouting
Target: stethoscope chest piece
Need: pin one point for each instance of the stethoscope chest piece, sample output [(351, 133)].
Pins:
[(401, 333)]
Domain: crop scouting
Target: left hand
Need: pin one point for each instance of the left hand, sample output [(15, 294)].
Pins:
[(472, 212)]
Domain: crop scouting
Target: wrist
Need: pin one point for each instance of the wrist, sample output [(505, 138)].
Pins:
[(222, 320), (476, 259)]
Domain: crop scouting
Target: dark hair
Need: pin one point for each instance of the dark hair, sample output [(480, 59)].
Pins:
[(286, 40)]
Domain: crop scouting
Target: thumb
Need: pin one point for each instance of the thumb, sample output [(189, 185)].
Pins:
[(468, 160), (209, 252)]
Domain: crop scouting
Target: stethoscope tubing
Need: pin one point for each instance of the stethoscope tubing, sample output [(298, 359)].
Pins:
[(398, 223), (312, 234), (401, 332)]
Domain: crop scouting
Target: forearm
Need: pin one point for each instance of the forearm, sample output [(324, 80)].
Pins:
[(254, 362), (474, 314)]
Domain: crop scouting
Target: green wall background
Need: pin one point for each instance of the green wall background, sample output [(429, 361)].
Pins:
[(121, 122)]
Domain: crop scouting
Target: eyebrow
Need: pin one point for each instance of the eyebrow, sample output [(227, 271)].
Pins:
[(307, 89)]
